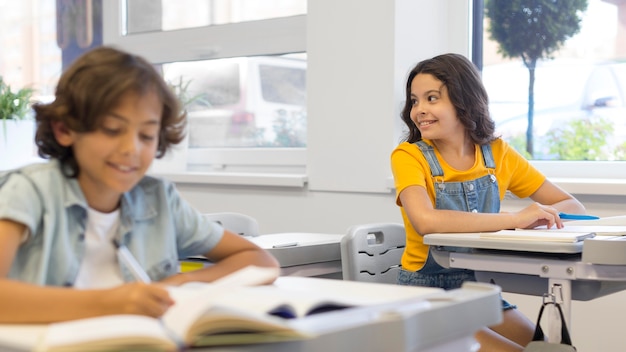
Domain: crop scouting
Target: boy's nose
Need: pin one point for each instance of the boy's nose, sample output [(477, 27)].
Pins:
[(130, 144)]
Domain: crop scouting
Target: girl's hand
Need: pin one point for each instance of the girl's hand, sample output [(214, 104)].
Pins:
[(538, 214), (136, 298)]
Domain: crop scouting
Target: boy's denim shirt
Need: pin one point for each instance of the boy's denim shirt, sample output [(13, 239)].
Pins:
[(157, 225)]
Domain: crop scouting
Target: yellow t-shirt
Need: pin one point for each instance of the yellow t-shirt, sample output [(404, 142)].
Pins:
[(410, 168)]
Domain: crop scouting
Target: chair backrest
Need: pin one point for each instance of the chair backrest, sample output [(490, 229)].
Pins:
[(236, 222), (372, 252)]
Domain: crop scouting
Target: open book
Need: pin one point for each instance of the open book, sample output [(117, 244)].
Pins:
[(545, 235), (599, 230), (220, 313)]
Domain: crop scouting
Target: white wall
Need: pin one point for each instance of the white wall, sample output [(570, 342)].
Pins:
[(358, 58), (355, 91)]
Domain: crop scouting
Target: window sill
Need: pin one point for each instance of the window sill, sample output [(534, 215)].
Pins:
[(236, 178), (590, 186)]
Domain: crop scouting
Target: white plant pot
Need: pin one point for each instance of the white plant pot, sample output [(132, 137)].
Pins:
[(17, 143)]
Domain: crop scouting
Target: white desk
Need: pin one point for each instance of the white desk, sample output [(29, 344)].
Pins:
[(303, 253), (416, 319), (524, 268), (298, 253)]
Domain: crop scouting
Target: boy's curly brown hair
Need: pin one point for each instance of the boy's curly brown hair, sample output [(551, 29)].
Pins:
[(93, 86)]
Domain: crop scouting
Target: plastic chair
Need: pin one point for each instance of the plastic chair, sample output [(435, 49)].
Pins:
[(236, 222), (372, 252)]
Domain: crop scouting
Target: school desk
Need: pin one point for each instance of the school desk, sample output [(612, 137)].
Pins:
[(417, 319), (558, 271), (298, 253)]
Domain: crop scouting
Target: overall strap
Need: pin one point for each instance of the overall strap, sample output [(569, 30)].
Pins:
[(488, 156), (429, 154), (435, 167)]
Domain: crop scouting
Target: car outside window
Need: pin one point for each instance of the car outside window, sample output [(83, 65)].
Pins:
[(255, 102)]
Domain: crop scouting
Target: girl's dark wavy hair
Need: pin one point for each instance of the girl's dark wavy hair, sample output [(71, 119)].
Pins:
[(466, 92), (94, 85)]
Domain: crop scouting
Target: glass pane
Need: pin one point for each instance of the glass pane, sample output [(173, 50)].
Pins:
[(579, 93), (165, 15), (243, 102), (29, 56)]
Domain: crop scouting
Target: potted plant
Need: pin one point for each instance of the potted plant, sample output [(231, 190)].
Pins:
[(14, 105), (175, 161), (17, 126)]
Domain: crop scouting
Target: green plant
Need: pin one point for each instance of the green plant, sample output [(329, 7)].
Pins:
[(620, 152), (14, 105), (582, 139), (181, 90), (518, 142), (532, 30)]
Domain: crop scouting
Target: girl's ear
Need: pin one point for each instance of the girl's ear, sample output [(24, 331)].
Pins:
[(62, 134)]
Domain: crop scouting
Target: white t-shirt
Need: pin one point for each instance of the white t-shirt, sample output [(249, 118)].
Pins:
[(100, 268)]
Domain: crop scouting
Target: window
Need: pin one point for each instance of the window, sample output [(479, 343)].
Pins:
[(579, 94), (339, 46), (168, 15), (245, 64), (257, 101), (30, 55)]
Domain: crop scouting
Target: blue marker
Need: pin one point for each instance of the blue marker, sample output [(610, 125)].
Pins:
[(577, 217)]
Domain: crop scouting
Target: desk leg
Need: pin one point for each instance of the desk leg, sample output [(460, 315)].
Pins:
[(564, 297)]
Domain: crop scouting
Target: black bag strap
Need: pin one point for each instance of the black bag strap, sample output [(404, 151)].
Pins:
[(565, 337)]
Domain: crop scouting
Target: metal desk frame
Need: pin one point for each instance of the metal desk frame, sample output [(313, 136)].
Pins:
[(562, 276)]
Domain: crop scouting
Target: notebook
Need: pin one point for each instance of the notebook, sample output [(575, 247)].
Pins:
[(539, 235)]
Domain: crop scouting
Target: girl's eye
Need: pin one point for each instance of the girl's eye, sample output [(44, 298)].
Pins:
[(432, 98), (413, 102)]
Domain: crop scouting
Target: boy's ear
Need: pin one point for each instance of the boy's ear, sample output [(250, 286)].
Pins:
[(62, 134)]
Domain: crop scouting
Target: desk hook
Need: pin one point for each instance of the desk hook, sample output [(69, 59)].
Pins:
[(554, 296)]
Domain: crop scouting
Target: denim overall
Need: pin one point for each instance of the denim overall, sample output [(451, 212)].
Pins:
[(477, 196)]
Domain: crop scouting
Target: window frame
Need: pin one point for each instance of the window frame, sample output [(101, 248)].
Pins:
[(587, 179), (579, 177), (263, 37)]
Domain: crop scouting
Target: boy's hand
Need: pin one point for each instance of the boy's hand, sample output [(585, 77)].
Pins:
[(136, 298)]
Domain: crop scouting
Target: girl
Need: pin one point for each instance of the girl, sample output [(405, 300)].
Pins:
[(112, 115), (451, 174)]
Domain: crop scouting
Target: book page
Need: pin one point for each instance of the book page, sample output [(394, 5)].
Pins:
[(251, 275), (266, 308), (222, 320), (599, 230), (289, 304), (114, 333), (619, 220), (227, 310), (194, 299), (272, 300), (204, 309), (538, 235)]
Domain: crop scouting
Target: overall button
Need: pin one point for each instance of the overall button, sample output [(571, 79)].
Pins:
[(470, 187), (493, 178), (474, 211)]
